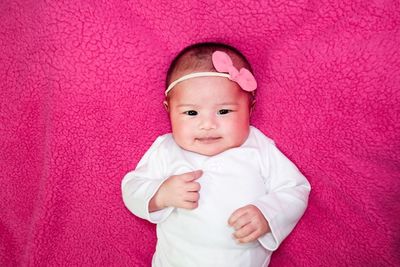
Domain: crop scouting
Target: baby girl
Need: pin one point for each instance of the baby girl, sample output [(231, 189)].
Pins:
[(219, 190)]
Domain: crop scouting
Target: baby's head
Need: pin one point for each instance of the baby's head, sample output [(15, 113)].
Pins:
[(209, 98)]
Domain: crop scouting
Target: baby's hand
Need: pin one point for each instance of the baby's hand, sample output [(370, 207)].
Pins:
[(179, 191), (249, 224)]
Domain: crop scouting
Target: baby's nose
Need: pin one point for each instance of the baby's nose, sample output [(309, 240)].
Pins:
[(208, 123)]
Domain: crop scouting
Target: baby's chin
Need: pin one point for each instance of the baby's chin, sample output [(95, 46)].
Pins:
[(209, 152)]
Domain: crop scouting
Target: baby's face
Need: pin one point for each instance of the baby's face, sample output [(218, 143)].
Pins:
[(209, 115)]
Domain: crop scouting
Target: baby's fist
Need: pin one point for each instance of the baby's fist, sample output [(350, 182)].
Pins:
[(179, 191), (249, 224)]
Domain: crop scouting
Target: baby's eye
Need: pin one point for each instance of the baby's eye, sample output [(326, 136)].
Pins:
[(224, 111), (191, 112)]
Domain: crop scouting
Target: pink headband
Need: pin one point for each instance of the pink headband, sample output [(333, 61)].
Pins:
[(224, 65)]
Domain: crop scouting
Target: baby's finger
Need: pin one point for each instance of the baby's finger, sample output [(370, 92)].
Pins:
[(193, 187), (236, 215), (192, 196), (191, 176), (242, 221), (244, 231), (250, 238), (189, 205)]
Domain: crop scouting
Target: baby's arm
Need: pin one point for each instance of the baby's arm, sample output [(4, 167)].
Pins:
[(153, 199), (179, 191), (140, 185), (150, 194), (286, 198), (273, 216)]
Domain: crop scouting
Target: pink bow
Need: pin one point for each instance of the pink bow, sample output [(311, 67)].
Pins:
[(223, 63)]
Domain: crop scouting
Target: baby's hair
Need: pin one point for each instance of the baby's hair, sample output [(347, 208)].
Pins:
[(197, 57)]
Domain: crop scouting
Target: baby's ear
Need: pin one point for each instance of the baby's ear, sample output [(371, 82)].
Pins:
[(166, 105)]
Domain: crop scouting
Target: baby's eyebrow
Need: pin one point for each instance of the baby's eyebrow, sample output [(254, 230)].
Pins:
[(218, 104), (186, 105), (228, 104)]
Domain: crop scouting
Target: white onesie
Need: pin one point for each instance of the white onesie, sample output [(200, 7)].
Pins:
[(255, 173)]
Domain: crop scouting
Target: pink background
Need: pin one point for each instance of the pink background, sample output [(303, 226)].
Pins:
[(81, 100)]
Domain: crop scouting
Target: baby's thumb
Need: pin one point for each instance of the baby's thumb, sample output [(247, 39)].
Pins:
[(194, 175)]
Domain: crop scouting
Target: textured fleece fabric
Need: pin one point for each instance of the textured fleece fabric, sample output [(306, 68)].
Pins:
[(81, 91)]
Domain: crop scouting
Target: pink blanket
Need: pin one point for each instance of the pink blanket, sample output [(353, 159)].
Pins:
[(81, 100)]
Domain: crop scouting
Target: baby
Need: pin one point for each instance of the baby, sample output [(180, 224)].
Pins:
[(218, 189)]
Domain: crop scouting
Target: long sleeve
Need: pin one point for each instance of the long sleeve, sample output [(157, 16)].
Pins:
[(140, 185), (286, 198)]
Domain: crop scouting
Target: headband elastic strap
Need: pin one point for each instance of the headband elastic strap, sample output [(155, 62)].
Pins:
[(194, 75)]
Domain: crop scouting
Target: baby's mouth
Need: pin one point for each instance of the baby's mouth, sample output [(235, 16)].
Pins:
[(208, 140)]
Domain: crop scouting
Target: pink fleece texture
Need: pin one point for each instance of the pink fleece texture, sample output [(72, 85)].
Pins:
[(81, 100)]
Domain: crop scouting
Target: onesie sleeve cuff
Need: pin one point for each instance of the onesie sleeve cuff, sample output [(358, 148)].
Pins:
[(269, 241), (159, 215)]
